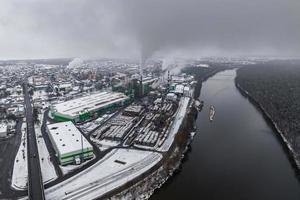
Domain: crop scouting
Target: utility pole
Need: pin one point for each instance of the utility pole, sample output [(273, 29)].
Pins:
[(82, 157)]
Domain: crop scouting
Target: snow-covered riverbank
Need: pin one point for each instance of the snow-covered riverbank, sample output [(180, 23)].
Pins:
[(291, 152)]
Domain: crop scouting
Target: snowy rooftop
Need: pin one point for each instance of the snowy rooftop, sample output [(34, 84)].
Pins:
[(65, 85), (179, 89), (3, 128), (178, 79), (147, 80), (186, 88), (67, 137), (89, 103)]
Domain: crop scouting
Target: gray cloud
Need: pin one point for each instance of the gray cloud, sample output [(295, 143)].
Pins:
[(132, 28), (226, 26)]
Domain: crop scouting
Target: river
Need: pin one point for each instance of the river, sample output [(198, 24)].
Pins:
[(235, 157)]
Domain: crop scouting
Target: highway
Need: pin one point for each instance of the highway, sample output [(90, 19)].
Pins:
[(35, 182)]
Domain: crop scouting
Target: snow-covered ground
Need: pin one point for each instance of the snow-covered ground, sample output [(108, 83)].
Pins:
[(105, 144), (114, 170), (47, 167), (174, 128), (87, 127), (69, 168), (90, 126), (20, 173)]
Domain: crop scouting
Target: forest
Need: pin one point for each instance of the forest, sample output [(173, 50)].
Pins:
[(275, 85)]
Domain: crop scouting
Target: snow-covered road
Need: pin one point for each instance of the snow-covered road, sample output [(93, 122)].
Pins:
[(174, 128), (114, 170)]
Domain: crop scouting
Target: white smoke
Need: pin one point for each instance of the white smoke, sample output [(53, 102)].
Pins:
[(75, 63), (173, 64)]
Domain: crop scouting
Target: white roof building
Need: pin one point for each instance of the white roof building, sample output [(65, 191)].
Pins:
[(186, 90), (171, 96), (179, 89), (91, 103), (68, 142), (178, 79)]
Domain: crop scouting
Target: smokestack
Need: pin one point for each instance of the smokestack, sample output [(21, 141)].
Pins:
[(141, 70), (169, 79), (141, 79)]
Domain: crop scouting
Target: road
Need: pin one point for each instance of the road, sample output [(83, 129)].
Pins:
[(35, 182), (8, 151)]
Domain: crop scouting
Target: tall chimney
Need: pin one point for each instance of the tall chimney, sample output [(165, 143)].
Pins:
[(141, 79)]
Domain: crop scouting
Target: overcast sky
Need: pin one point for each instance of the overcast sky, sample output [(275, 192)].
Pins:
[(145, 28)]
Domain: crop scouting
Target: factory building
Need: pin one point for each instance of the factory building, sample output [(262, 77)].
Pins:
[(179, 89), (69, 144), (143, 87), (86, 107)]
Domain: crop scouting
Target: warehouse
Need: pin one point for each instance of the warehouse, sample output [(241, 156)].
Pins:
[(69, 144), (84, 108)]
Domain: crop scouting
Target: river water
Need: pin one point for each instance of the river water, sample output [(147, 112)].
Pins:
[(235, 157)]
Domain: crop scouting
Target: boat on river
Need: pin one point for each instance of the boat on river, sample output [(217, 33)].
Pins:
[(212, 113)]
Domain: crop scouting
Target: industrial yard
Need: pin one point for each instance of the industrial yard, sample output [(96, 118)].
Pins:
[(149, 100)]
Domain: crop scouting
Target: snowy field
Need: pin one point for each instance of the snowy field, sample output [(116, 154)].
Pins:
[(20, 177), (114, 170), (174, 128), (47, 168)]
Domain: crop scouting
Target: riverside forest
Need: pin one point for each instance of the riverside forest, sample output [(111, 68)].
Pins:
[(275, 85)]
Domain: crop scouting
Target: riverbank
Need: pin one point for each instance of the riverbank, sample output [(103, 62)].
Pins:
[(145, 185), (285, 143), (201, 75), (234, 157)]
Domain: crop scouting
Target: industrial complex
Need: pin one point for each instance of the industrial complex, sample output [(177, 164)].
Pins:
[(96, 120)]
